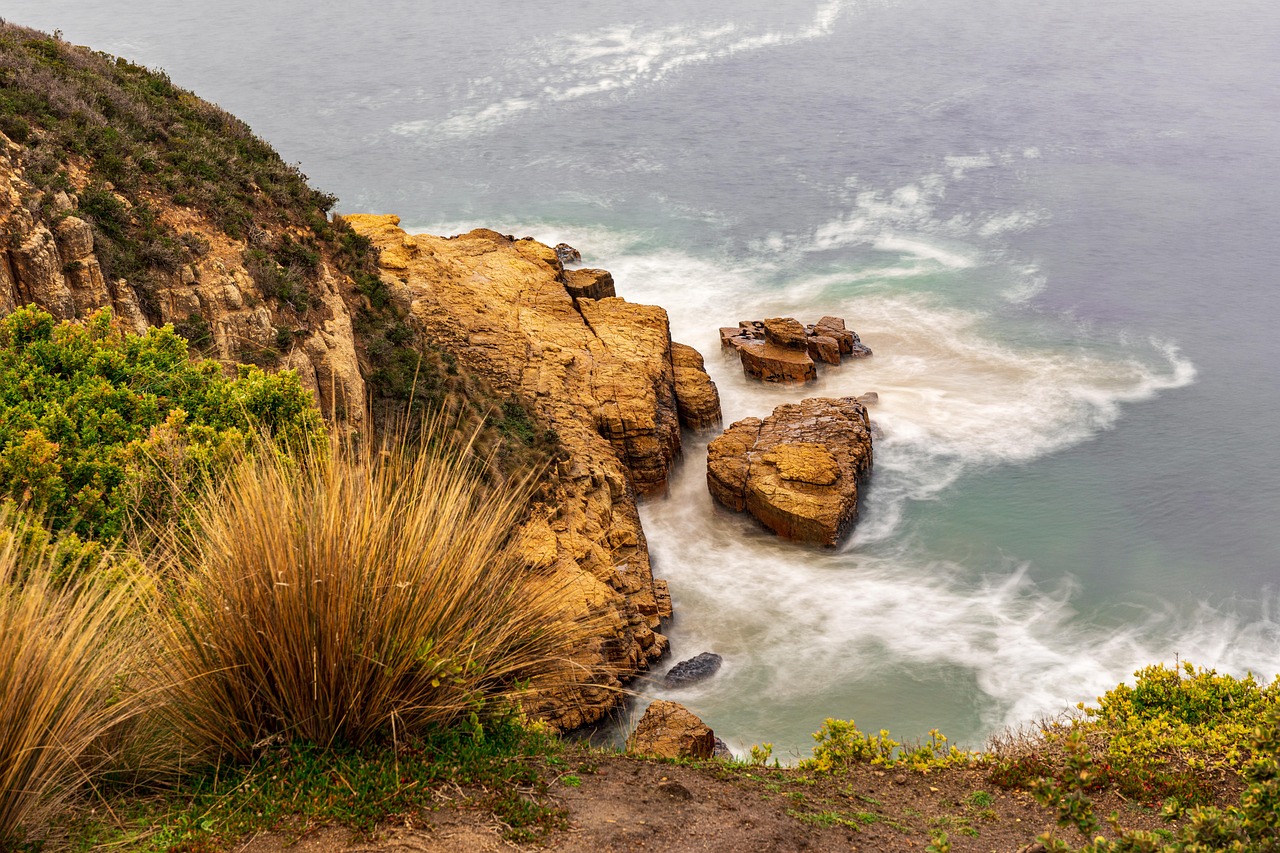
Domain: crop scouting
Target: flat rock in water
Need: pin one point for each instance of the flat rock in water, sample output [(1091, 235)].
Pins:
[(693, 670), (798, 470)]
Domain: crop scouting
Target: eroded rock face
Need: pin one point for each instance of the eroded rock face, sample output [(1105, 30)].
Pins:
[(797, 471), (670, 730), (780, 349), (697, 399), (53, 264), (598, 371)]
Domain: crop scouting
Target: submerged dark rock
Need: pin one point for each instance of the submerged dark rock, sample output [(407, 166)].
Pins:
[(693, 670)]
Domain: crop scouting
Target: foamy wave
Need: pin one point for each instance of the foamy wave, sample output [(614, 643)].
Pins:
[(611, 60)]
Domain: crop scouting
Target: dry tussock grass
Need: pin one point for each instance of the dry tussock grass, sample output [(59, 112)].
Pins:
[(63, 652), (360, 595)]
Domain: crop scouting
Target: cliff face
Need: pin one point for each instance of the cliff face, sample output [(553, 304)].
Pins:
[(598, 372), (48, 257)]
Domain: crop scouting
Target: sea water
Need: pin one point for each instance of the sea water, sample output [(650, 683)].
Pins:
[(1055, 224)]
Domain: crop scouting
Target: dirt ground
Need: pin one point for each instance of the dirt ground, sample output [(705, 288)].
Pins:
[(618, 803)]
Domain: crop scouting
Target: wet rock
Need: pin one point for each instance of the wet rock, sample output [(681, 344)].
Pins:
[(780, 349), (785, 332), (697, 399), (868, 399), (566, 254), (797, 471), (693, 670), (722, 751), (670, 730)]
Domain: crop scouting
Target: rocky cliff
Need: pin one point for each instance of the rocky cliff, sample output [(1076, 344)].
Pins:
[(49, 257), (600, 372)]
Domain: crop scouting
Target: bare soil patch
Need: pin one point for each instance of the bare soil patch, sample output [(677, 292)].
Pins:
[(620, 803)]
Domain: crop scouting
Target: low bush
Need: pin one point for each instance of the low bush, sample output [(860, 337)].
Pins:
[(96, 424), (1178, 732), (840, 744)]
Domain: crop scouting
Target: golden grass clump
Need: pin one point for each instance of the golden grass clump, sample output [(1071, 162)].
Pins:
[(359, 596), (64, 652)]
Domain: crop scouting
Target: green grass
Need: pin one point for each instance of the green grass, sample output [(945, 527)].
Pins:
[(293, 789)]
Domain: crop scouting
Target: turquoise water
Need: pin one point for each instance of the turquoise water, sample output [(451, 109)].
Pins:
[(1054, 225)]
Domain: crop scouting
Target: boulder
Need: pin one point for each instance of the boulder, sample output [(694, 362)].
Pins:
[(589, 284), (772, 363), (797, 471), (693, 670), (566, 254), (780, 349), (784, 332), (697, 399), (670, 730)]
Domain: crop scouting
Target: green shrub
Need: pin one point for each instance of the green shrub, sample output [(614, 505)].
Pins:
[(1252, 826), (840, 744), (94, 420), (1177, 732)]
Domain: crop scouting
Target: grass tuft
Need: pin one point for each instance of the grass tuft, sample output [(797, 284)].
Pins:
[(359, 597), (64, 651)]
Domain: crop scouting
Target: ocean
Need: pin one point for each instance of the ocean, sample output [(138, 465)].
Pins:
[(1054, 223)]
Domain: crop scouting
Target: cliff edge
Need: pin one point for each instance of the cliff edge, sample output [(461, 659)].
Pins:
[(600, 373)]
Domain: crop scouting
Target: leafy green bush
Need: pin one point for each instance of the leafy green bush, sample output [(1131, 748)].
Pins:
[(94, 420), (1177, 732), (840, 744), (1251, 827)]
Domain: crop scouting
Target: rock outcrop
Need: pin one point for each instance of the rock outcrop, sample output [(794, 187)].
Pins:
[(797, 471), (601, 373), (780, 349), (670, 730), (49, 258), (697, 400)]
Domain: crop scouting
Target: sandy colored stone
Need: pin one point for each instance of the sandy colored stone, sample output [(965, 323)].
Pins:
[(797, 471), (772, 363), (784, 332), (670, 730), (589, 284), (697, 398), (804, 462)]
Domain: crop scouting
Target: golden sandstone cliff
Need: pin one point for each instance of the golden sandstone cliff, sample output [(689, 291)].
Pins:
[(605, 375)]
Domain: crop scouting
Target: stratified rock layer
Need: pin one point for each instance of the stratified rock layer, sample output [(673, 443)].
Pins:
[(51, 262), (780, 349), (600, 373), (670, 730), (797, 471)]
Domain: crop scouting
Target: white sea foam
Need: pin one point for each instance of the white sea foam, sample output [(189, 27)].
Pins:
[(577, 66), (809, 634)]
